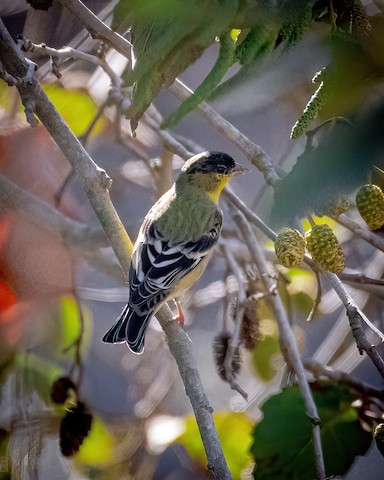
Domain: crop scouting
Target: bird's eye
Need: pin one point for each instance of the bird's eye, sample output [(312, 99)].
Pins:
[(221, 169)]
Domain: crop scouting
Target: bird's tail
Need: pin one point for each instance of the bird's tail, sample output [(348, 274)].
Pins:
[(129, 327)]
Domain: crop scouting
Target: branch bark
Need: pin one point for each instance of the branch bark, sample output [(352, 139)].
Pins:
[(181, 348), (98, 29)]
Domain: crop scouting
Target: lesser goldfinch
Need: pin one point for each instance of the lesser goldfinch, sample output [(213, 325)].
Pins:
[(174, 244)]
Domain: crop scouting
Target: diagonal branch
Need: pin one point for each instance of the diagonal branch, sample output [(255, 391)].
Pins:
[(339, 376), (254, 153), (69, 52), (73, 232), (98, 29), (356, 317), (361, 231)]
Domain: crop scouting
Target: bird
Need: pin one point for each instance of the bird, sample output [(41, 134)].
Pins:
[(174, 244)]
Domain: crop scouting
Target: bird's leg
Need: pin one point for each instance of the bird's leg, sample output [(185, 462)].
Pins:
[(180, 316)]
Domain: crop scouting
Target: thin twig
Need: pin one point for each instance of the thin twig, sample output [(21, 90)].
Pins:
[(288, 343), (254, 153), (250, 216), (338, 376), (100, 110), (356, 317), (317, 301), (169, 140), (98, 29), (76, 343), (360, 279), (361, 231), (311, 221), (162, 171), (69, 52), (347, 300)]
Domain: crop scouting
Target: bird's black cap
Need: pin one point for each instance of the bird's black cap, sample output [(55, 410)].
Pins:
[(210, 162)]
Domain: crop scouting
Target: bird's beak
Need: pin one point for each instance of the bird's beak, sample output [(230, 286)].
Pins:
[(238, 169)]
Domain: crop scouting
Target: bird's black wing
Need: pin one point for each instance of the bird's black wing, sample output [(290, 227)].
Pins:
[(157, 265)]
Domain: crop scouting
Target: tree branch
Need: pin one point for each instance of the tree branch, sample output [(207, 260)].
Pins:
[(181, 348), (356, 317), (98, 29), (254, 153), (320, 370), (71, 231), (69, 52), (361, 231)]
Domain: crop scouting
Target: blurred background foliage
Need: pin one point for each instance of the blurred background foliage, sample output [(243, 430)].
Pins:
[(115, 415)]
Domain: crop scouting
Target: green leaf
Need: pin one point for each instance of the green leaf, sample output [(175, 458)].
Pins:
[(258, 41), (76, 107), (164, 46), (73, 324), (283, 447), (234, 430), (127, 11), (255, 45), (223, 63), (302, 288)]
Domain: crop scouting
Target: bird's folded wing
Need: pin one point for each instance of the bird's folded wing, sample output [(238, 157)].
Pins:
[(158, 265)]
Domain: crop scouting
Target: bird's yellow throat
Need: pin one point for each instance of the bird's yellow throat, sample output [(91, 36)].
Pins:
[(215, 194)]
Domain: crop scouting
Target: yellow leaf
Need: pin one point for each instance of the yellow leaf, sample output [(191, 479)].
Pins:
[(234, 33), (76, 107), (97, 447), (234, 430), (324, 220), (73, 323)]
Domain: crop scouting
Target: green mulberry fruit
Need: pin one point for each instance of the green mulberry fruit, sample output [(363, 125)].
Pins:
[(370, 204), (325, 249), (334, 206), (290, 247), (378, 435)]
